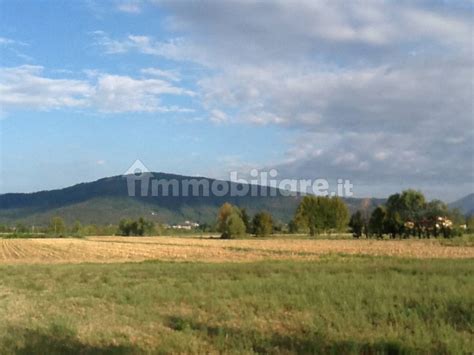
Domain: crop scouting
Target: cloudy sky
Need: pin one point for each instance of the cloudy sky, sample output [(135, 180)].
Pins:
[(379, 92)]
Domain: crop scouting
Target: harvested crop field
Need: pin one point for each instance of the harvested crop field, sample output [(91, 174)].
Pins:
[(121, 249)]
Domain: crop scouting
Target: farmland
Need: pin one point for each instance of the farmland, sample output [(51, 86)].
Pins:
[(208, 249), (204, 295)]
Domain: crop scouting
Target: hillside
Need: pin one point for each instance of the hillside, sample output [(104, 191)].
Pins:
[(465, 204), (106, 201)]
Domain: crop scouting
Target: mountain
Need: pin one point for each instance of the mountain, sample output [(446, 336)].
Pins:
[(107, 201), (465, 204)]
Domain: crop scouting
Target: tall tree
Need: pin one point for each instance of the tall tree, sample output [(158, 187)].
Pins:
[(138, 227), (365, 210), (246, 220), (393, 224), (356, 224), (470, 223), (409, 206), (319, 214), (77, 228), (57, 226), (377, 221), (308, 215), (339, 214), (262, 224), (229, 221)]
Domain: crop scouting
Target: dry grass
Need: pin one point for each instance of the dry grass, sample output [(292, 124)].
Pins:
[(120, 249)]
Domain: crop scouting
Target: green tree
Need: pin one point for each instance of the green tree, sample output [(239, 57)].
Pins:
[(435, 208), (229, 221), (262, 224), (205, 227), (292, 226), (57, 227), (20, 228), (339, 214), (278, 227), (319, 214), (246, 220), (470, 223), (356, 224), (90, 229), (144, 227), (76, 229), (138, 227), (393, 224), (365, 210), (222, 217), (456, 216), (236, 226), (413, 204), (124, 227), (409, 206), (377, 222), (308, 215)]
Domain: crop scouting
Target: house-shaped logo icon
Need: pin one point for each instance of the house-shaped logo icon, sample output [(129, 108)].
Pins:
[(138, 172)]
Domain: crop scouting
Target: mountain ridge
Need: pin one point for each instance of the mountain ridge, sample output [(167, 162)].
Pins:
[(464, 204), (106, 201)]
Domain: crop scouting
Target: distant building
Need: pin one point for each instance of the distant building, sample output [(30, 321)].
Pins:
[(187, 225)]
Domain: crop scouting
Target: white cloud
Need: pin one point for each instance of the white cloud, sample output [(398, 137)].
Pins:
[(110, 46), (116, 93), (6, 41), (233, 32), (175, 48), (10, 49), (26, 87), (383, 87), (11, 42), (172, 75), (218, 116), (130, 6), (439, 27)]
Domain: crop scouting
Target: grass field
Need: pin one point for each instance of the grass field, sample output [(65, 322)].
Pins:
[(238, 296)]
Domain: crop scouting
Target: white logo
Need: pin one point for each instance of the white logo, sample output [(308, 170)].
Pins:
[(138, 172)]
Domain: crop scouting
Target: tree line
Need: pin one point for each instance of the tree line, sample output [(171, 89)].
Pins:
[(405, 214), (408, 214), (233, 221), (315, 214), (58, 228)]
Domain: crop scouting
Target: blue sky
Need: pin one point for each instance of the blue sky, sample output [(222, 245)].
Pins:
[(376, 92)]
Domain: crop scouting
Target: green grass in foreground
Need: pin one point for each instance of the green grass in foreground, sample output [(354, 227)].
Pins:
[(335, 305)]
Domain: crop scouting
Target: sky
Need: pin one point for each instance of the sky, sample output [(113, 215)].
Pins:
[(378, 92)]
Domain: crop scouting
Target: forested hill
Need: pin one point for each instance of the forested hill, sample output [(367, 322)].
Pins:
[(106, 201)]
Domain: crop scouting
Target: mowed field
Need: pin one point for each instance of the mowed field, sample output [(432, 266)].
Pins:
[(124, 295), (124, 249)]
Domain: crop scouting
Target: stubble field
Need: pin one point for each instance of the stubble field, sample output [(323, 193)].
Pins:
[(129, 249)]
